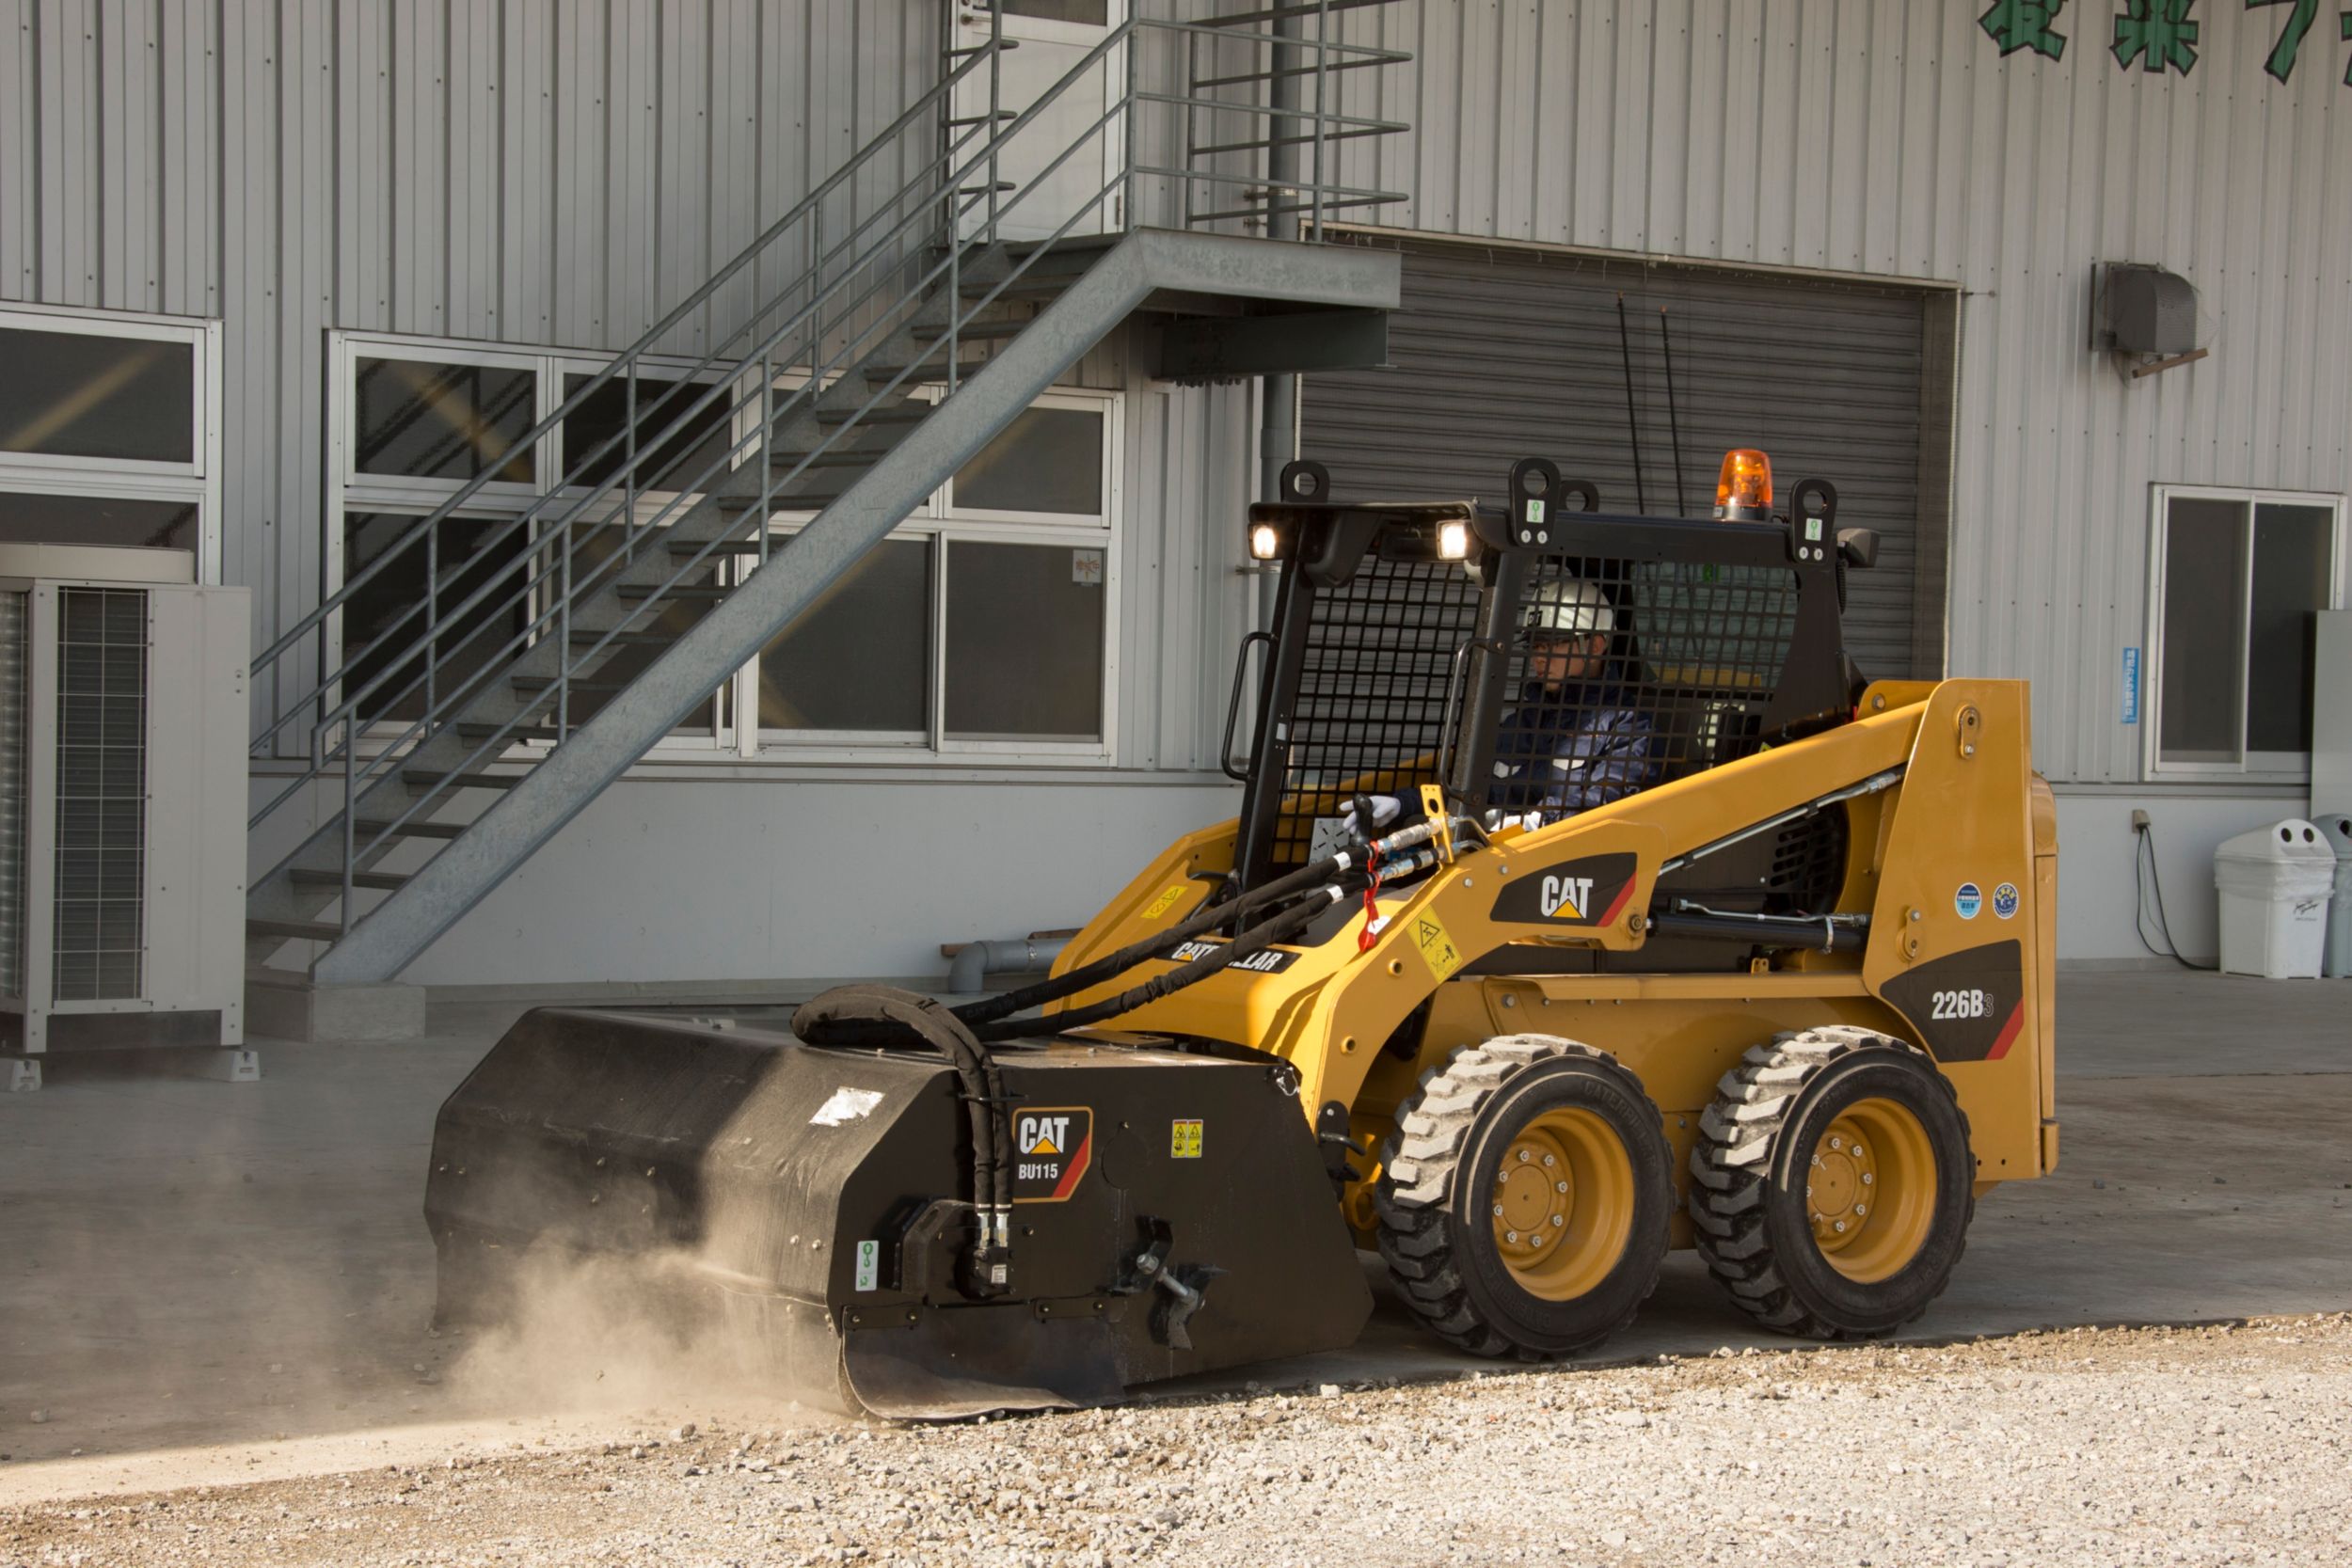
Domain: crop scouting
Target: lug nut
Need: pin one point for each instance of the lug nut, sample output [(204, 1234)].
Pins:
[(1497, 1210), (1510, 1235), (1549, 1162), (1559, 1186), (1525, 1156), (1557, 1220), (1841, 1228), (1865, 1177)]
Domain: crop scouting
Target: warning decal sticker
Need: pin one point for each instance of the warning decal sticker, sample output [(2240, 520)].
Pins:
[(1436, 946), (1164, 903), (1184, 1139), (1052, 1148)]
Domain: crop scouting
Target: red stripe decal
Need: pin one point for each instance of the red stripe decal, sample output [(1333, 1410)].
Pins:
[(1622, 894), (2009, 1033), (1078, 1166)]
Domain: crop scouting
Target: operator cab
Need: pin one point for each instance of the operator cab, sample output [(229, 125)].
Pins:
[(1419, 643)]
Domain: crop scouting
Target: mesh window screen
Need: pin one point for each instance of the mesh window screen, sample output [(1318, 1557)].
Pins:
[(102, 793), (1626, 675), (1369, 713)]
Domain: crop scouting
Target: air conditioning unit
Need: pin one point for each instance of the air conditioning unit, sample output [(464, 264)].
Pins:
[(123, 799)]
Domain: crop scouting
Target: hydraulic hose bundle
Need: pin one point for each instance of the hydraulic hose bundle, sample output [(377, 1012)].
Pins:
[(881, 1017)]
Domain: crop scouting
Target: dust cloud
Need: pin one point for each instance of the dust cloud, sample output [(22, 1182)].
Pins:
[(603, 1332)]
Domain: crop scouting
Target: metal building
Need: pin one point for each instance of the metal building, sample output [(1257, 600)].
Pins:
[(2061, 299)]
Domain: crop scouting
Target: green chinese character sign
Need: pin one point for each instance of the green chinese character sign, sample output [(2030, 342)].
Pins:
[(2159, 33), (2281, 61), (2016, 24)]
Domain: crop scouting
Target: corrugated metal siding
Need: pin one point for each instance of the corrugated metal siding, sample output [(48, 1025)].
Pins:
[(1891, 137), (533, 171), (1501, 354)]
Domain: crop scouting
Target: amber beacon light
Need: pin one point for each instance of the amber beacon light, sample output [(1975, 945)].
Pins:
[(1744, 492)]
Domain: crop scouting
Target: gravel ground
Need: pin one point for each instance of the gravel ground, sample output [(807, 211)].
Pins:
[(2207, 1444)]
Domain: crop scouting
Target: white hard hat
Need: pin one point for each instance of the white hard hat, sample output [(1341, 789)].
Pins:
[(1568, 605)]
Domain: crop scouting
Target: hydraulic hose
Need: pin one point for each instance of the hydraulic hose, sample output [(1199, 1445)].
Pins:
[(1206, 918), (1245, 945), (983, 1086)]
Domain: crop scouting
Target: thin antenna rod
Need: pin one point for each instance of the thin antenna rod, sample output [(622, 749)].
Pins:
[(1633, 429), (1673, 423)]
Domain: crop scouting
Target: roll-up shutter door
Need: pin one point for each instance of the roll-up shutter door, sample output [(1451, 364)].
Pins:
[(1498, 355)]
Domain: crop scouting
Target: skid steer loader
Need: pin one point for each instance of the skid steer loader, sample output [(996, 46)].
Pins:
[(1520, 966)]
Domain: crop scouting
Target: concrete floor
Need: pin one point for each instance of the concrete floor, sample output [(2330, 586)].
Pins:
[(184, 1261)]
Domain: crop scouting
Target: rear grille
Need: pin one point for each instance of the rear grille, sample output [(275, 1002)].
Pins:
[(101, 794), (12, 704)]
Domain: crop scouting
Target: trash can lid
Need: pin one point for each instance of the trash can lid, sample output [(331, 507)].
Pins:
[(2291, 841), (2336, 828)]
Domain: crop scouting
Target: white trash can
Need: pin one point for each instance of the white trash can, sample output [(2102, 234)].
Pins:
[(2275, 884), (2336, 828)]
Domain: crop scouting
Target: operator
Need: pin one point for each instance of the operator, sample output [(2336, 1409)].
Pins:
[(1574, 741)]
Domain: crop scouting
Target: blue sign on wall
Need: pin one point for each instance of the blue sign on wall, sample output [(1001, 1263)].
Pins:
[(2131, 686)]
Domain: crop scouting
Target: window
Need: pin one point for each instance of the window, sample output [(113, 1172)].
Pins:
[(2237, 577), (984, 623), (107, 431), (416, 421)]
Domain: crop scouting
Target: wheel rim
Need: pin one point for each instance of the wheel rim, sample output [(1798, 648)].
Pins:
[(1563, 1204), (1869, 1190)]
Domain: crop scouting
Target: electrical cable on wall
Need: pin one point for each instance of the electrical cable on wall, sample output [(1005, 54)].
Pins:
[(2144, 876)]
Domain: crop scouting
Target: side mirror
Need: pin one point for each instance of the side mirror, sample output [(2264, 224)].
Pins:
[(1858, 547)]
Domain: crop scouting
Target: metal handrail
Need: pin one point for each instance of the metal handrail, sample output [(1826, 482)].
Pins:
[(547, 576)]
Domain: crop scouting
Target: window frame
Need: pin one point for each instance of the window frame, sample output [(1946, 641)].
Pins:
[(2252, 766), (349, 490), (936, 522), (736, 736), (196, 481)]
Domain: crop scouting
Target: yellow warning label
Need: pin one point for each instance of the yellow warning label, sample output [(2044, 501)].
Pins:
[(1164, 903), (1437, 947), (1183, 1140)]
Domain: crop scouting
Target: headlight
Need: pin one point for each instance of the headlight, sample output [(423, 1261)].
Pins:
[(1454, 541), (1265, 543)]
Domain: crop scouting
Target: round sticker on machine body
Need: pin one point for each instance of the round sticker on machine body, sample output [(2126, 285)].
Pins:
[(2005, 900), (1968, 900)]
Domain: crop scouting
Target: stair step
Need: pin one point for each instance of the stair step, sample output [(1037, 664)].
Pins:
[(924, 370), (298, 930), (413, 828), (1026, 288), (382, 880), (541, 683), (622, 638), (915, 415), (634, 591), (684, 548), (516, 736), (739, 504), (425, 778), (971, 329), (828, 459)]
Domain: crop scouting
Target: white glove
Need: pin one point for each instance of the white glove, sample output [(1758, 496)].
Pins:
[(1382, 809)]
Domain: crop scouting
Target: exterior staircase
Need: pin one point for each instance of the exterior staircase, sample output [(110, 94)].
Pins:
[(908, 333)]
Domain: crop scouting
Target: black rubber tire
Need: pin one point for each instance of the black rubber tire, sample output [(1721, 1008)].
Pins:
[(1748, 1181), (1452, 1137)]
